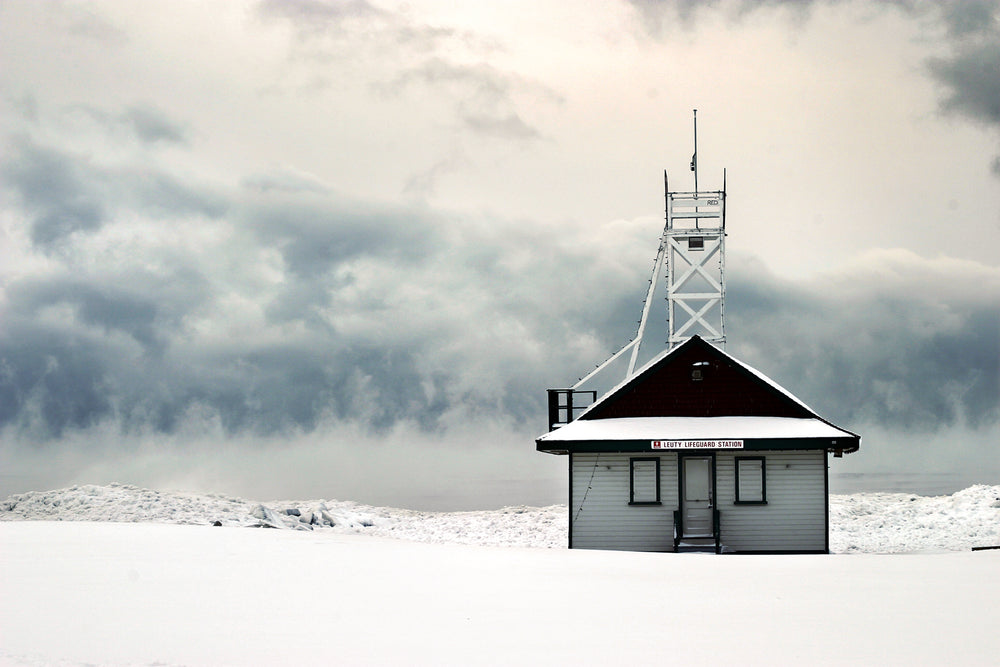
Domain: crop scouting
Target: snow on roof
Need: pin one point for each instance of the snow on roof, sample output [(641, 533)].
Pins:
[(683, 428)]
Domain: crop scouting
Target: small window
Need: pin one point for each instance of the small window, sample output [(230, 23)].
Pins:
[(644, 481), (751, 485), (696, 243)]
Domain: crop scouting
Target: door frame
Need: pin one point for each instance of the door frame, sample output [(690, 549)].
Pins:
[(695, 453)]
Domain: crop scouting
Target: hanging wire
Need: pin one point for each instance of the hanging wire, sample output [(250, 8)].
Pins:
[(590, 483)]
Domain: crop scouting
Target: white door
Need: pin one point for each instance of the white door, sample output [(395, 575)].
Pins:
[(697, 496)]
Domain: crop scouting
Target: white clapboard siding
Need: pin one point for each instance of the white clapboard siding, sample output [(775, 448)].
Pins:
[(601, 516), (795, 516)]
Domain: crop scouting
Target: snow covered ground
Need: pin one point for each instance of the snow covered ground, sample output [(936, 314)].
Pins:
[(861, 522), (96, 576), (510, 526)]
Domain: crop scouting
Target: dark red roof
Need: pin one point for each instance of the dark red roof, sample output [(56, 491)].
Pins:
[(698, 380)]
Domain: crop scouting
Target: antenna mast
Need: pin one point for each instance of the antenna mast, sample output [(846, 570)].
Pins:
[(694, 158)]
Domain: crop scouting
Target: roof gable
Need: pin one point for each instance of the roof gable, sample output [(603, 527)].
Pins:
[(725, 387)]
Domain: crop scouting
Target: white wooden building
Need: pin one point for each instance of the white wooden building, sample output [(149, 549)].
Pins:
[(698, 451), (694, 450)]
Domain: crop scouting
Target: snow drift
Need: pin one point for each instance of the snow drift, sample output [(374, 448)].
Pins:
[(860, 522), (105, 580)]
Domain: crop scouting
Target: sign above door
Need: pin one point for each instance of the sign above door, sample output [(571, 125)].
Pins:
[(697, 444)]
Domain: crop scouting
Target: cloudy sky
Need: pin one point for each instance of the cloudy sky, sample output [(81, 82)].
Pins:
[(340, 249)]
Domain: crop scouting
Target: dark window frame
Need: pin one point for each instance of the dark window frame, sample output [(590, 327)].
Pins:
[(631, 480), (763, 480)]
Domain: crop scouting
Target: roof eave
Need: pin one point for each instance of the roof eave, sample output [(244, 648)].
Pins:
[(831, 445)]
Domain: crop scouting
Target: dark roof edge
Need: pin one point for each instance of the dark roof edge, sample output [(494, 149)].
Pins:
[(843, 445)]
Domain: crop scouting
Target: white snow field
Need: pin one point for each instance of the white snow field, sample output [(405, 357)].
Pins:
[(98, 576)]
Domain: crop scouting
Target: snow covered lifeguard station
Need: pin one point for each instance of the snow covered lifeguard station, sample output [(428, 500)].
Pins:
[(694, 450)]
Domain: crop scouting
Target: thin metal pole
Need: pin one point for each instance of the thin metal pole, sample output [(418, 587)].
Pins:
[(666, 199), (694, 160)]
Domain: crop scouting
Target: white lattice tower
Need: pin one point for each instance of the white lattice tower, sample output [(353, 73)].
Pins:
[(695, 240), (691, 262)]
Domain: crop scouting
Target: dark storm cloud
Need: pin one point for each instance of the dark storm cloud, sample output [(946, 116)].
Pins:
[(972, 77), (151, 125), (144, 123), (969, 74), (116, 344), (408, 314), (76, 371), (316, 234), (110, 308), (656, 15), (904, 358), (54, 188), (162, 195), (970, 17), (51, 382), (274, 388), (65, 192), (300, 306), (504, 313), (961, 19), (78, 347)]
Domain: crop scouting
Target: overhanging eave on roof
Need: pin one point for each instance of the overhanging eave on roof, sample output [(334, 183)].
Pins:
[(833, 445)]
